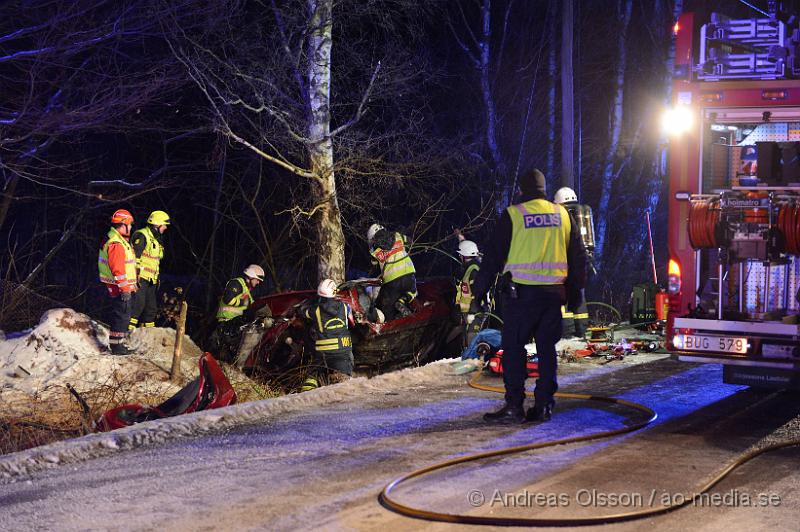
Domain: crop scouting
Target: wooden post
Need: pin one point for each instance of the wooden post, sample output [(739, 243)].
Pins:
[(174, 374)]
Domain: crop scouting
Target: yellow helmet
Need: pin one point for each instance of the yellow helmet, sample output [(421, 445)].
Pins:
[(158, 218)]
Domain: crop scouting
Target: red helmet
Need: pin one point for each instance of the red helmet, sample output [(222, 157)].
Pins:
[(121, 216)]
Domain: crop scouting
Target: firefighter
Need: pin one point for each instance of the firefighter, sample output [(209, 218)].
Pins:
[(233, 303), (544, 263), (236, 296), (149, 251), (471, 264), (116, 264), (576, 319), (333, 345), (398, 284)]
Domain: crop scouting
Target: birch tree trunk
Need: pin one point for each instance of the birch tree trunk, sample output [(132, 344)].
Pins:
[(330, 237), (567, 107), (614, 132)]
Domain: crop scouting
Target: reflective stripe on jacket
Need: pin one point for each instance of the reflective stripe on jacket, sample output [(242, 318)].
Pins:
[(148, 263), (394, 262), (539, 239), (228, 310), (464, 289), (330, 321), (120, 270)]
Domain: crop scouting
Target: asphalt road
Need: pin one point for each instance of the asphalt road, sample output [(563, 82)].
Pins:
[(322, 467)]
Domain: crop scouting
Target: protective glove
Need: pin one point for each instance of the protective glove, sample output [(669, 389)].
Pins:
[(125, 296)]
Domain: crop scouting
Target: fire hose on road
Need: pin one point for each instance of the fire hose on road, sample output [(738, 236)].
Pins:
[(385, 497)]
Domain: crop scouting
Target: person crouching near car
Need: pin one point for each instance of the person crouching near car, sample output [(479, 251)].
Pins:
[(331, 320), (116, 264)]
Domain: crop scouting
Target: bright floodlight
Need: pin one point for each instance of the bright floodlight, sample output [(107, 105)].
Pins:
[(677, 120)]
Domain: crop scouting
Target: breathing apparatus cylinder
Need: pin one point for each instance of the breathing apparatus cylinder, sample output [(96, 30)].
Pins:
[(582, 214)]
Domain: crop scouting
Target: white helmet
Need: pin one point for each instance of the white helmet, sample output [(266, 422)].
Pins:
[(468, 248), (254, 271), (373, 230), (327, 288), (381, 318), (565, 195)]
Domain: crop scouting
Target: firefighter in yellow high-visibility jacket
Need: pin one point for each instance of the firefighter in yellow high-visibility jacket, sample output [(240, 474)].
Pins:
[(398, 282), (149, 251)]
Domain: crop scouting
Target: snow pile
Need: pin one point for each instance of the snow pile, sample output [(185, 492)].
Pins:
[(68, 347), (20, 464)]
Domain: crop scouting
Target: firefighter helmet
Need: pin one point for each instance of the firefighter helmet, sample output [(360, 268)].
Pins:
[(373, 230), (565, 195), (121, 216), (158, 218), (327, 288), (254, 271), (468, 248)]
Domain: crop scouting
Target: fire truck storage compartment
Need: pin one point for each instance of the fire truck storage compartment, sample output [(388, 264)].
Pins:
[(745, 225)]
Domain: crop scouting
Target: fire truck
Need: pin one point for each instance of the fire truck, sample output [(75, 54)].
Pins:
[(734, 197)]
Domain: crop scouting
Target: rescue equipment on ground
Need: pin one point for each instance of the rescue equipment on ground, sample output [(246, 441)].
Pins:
[(495, 360)]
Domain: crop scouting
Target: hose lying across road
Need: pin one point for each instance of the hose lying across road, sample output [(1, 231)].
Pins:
[(391, 504)]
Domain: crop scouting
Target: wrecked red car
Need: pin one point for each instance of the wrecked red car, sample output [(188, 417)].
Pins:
[(210, 390), (432, 331)]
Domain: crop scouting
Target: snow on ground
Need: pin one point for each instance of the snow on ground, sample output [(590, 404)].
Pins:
[(164, 430), (69, 347)]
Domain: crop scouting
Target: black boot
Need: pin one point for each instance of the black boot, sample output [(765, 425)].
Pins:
[(540, 413), (507, 414), (119, 349)]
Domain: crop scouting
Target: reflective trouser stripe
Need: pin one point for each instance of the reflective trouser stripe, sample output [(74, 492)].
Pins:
[(333, 344)]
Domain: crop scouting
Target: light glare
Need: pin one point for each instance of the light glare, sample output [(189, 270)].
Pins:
[(677, 120)]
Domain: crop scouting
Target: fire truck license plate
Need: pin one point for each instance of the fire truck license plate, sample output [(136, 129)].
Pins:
[(725, 344)]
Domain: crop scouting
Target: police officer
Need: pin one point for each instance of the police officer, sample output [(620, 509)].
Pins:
[(544, 262), (149, 251)]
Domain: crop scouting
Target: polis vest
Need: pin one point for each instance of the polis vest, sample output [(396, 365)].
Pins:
[(539, 239)]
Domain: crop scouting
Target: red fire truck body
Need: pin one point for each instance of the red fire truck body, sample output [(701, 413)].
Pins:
[(734, 199)]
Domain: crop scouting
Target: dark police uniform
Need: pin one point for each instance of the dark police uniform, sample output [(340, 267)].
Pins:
[(536, 245)]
